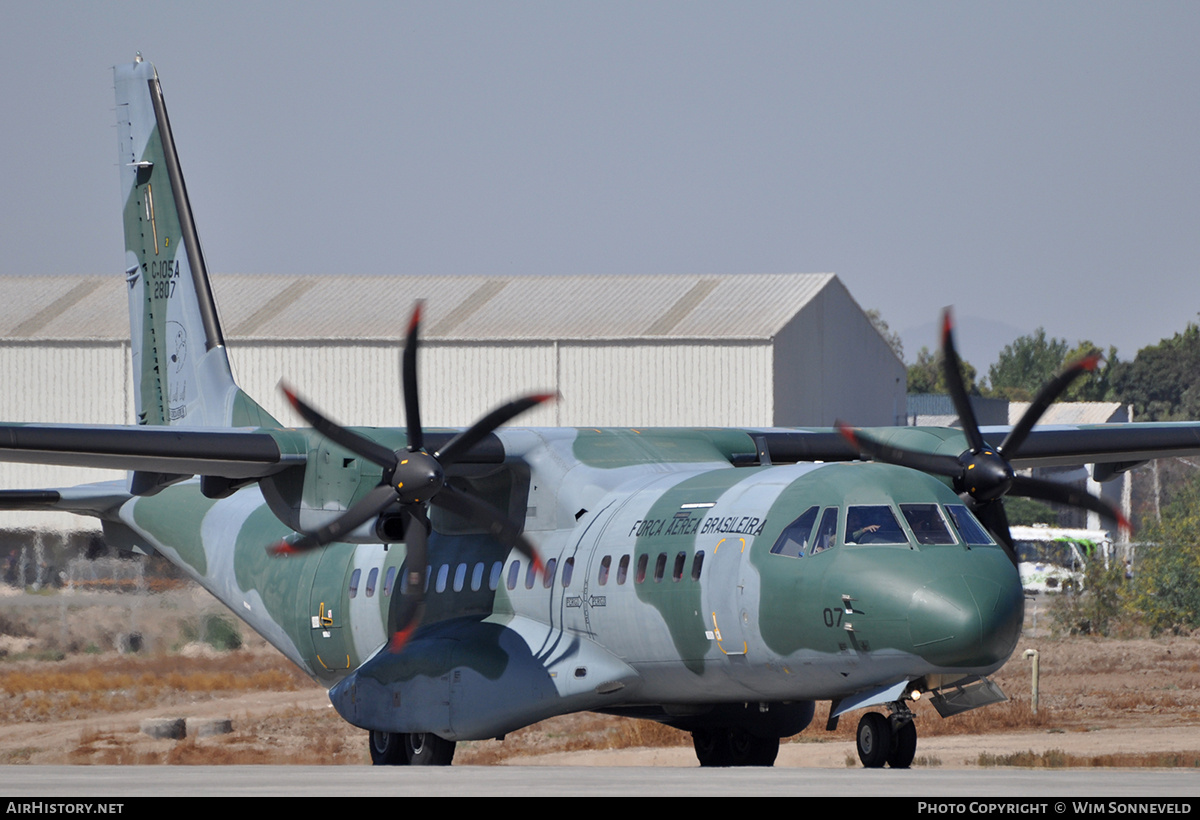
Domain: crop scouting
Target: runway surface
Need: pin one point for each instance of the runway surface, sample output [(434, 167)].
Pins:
[(118, 782)]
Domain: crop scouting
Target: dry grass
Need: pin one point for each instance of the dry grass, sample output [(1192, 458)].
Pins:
[(1058, 759)]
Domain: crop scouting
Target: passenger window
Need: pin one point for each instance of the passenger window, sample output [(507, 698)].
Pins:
[(605, 563), (640, 575), (354, 578), (680, 563), (793, 541), (477, 577), (873, 524), (568, 571), (389, 581), (826, 531), (697, 564), (530, 575), (494, 578), (927, 524), (460, 577), (514, 572), (623, 570), (660, 567), (443, 574), (551, 567), (372, 577)]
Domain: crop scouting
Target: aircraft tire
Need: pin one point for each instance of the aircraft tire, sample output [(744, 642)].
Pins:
[(387, 749), (904, 746), (874, 740), (747, 750), (427, 749), (712, 747)]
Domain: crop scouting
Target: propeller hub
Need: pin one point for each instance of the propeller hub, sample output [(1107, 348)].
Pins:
[(417, 477), (986, 476)]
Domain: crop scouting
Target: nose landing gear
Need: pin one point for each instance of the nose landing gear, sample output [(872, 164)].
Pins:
[(891, 740)]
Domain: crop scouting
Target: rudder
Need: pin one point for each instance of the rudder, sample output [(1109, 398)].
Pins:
[(180, 366)]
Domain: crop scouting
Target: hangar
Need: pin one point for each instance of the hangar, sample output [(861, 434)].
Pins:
[(677, 350)]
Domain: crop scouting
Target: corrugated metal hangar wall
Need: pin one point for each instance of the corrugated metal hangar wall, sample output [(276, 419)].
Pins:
[(743, 350)]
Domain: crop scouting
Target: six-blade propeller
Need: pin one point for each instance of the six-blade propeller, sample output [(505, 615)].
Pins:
[(412, 479), (982, 474)]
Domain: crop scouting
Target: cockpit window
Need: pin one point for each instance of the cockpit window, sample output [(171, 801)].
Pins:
[(873, 524), (968, 526), (793, 541), (826, 535), (927, 523)]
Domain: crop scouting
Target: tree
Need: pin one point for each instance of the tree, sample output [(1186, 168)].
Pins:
[(1166, 583), (927, 375), (1163, 381), (893, 339), (1025, 365)]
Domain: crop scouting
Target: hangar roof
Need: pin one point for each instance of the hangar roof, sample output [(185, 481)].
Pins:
[(460, 308)]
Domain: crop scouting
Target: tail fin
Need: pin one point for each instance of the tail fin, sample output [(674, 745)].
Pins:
[(180, 367)]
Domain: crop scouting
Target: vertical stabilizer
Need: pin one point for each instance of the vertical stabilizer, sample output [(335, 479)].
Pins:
[(180, 367)]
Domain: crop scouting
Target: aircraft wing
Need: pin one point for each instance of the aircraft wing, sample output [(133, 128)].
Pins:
[(227, 452)]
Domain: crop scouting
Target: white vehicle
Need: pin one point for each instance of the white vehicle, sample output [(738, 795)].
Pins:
[(1055, 558)]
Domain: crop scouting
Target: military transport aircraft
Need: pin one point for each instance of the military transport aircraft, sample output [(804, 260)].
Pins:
[(462, 584)]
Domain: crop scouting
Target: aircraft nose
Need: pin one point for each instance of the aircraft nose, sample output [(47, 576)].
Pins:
[(966, 621)]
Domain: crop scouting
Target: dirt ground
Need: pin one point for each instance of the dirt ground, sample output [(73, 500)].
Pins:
[(68, 696)]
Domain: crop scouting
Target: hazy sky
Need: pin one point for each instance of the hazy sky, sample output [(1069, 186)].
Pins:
[(1031, 163)]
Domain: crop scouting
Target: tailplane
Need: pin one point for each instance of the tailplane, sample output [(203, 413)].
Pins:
[(180, 368)]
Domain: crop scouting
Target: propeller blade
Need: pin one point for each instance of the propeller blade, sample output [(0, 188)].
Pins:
[(371, 505), (958, 391), (484, 514), (408, 378), (1062, 494), (928, 462), (993, 516), (408, 602), (359, 445), (1045, 397), (464, 441)]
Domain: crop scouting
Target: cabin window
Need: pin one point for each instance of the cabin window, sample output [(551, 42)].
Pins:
[(968, 525), (460, 577), (605, 564), (826, 531), (389, 581), (623, 570), (873, 524), (643, 562), (514, 572), (530, 575), (442, 576), (477, 577), (551, 568), (354, 579), (680, 563), (494, 578), (660, 567), (568, 571), (697, 563), (927, 524), (794, 540), (372, 577)]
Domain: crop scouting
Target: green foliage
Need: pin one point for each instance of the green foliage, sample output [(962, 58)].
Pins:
[(1163, 381), (214, 630), (893, 339), (1025, 512), (927, 375), (1098, 607), (1025, 365), (1166, 584)]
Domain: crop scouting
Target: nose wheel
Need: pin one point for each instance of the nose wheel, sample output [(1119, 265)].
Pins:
[(883, 740)]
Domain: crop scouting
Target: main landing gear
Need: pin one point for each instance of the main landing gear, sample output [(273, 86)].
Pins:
[(733, 747), (891, 740), (417, 749)]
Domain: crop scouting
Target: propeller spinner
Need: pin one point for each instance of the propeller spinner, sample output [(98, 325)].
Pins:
[(982, 474), (413, 479)]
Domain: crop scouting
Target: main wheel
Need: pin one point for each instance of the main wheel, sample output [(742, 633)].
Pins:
[(874, 740), (904, 746), (747, 750), (387, 749), (427, 749), (712, 747)]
